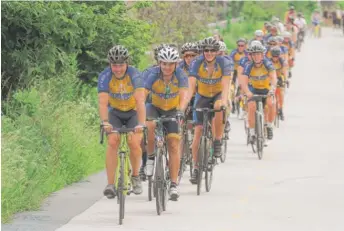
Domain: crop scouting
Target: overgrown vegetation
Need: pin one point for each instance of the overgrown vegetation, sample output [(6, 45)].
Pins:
[(51, 55)]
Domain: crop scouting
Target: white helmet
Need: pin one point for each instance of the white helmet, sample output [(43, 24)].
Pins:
[(223, 46), (286, 34), (168, 54), (259, 33)]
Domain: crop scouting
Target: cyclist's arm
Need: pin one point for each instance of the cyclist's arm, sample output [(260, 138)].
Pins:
[(103, 101), (140, 99), (225, 89), (183, 98), (244, 83), (240, 70), (192, 87), (103, 93), (273, 78)]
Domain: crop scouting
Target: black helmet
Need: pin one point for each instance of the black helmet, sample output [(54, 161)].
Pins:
[(211, 42), (118, 54), (275, 51), (189, 47)]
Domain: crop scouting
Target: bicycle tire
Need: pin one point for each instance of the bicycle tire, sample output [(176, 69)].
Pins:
[(200, 166), (183, 159), (277, 118), (260, 130), (165, 181), (208, 174), (158, 183), (150, 188), (122, 192)]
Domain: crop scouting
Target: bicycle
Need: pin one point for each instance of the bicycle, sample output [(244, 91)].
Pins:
[(161, 181), (225, 139), (280, 85), (123, 171), (186, 153), (206, 160), (259, 126)]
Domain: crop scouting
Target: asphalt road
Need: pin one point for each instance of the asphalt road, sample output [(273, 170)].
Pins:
[(298, 185)]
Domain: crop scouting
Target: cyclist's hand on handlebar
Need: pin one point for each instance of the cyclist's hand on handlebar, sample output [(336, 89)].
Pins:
[(249, 94), (107, 126), (139, 128)]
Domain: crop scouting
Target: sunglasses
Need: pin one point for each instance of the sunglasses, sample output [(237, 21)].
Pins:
[(209, 50), (189, 56), (241, 45)]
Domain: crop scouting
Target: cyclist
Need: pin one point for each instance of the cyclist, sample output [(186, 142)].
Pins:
[(273, 33), (121, 102), (271, 43), (291, 51), (189, 52), (259, 35), (236, 55), (280, 66), (316, 20), (259, 77), (301, 23), (242, 63), (289, 14), (145, 73), (169, 87), (212, 74)]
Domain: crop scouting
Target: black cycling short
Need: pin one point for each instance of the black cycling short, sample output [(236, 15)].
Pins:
[(119, 118), (258, 92), (155, 112), (204, 102)]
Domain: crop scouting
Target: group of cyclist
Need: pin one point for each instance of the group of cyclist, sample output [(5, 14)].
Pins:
[(202, 76)]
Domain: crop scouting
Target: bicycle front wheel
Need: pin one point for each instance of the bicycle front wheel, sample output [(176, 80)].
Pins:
[(209, 167), (200, 160), (260, 130), (121, 190), (158, 179)]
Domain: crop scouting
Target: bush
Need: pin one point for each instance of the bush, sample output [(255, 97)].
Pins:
[(49, 140)]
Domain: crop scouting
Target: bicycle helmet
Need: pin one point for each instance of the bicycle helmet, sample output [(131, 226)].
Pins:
[(256, 47), (272, 39), (286, 34), (259, 33), (157, 49), (118, 54), (189, 47), (279, 38), (168, 54), (275, 51), (223, 46), (243, 40), (211, 42)]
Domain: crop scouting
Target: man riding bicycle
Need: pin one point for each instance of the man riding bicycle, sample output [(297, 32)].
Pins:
[(169, 87), (121, 102), (259, 78), (212, 74)]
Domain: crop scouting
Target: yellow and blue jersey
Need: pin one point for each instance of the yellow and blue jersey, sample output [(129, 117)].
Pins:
[(236, 56), (209, 86), (165, 96), (259, 76), (121, 90)]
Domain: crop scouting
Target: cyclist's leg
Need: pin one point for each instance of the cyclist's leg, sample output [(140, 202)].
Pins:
[(151, 112), (270, 116), (251, 109), (111, 153), (219, 126)]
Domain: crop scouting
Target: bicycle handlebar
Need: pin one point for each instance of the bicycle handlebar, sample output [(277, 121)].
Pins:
[(123, 130), (209, 110)]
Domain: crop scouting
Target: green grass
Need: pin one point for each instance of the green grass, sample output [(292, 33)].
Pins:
[(49, 140)]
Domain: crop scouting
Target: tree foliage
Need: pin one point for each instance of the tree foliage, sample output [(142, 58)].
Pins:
[(38, 38)]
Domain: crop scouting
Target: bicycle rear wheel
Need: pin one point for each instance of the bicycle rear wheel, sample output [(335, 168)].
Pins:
[(121, 191), (166, 181), (209, 167), (200, 161), (183, 159)]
